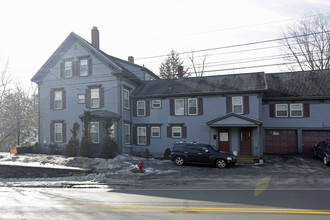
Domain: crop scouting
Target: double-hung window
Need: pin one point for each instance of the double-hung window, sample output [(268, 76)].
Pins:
[(141, 108), (127, 133), (179, 106), (296, 110), (281, 110), (237, 104), (68, 69), (155, 132), (58, 99), (83, 67), (126, 99), (192, 106), (95, 97), (58, 129), (94, 132), (142, 135), (176, 131)]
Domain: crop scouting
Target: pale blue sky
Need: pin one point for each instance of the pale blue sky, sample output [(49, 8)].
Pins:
[(32, 30)]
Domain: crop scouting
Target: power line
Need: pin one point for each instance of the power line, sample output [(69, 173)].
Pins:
[(236, 45)]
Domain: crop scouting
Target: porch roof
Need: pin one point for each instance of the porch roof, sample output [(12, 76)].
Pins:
[(102, 114), (233, 120)]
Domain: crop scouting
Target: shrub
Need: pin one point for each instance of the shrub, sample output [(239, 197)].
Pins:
[(167, 154), (72, 147)]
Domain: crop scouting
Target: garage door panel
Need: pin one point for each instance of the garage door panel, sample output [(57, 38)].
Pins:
[(281, 142), (310, 138)]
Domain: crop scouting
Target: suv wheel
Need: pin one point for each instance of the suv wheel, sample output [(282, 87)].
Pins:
[(220, 163), (325, 160), (179, 161)]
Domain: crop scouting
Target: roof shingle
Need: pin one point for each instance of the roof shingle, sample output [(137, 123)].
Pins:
[(221, 84)]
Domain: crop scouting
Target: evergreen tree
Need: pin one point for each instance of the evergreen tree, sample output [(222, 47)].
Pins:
[(109, 147), (169, 68), (86, 149), (72, 147)]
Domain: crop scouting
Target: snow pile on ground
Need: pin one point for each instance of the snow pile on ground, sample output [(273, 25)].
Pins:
[(123, 169)]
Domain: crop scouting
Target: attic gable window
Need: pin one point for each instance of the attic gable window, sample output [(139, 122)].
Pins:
[(68, 69), (83, 67)]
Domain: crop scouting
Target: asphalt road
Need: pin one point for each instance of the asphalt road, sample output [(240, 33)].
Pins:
[(56, 203)]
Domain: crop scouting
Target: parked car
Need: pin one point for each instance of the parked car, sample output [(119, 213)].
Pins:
[(197, 153), (322, 150)]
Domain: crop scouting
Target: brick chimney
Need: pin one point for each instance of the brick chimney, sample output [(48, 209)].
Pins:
[(95, 37), (180, 71), (131, 59)]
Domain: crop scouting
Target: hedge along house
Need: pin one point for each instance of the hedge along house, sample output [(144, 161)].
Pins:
[(224, 111), (80, 77)]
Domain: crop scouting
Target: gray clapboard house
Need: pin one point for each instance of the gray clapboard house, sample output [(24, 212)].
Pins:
[(80, 77), (251, 114)]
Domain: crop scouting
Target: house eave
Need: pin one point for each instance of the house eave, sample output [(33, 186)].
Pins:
[(195, 94)]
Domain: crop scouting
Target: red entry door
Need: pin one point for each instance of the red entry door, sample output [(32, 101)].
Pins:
[(224, 144), (245, 141)]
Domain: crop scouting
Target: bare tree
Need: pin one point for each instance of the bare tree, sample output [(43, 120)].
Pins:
[(307, 43), (19, 118), (197, 68), (5, 80)]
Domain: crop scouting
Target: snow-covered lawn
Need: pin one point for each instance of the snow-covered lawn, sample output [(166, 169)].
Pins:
[(122, 169)]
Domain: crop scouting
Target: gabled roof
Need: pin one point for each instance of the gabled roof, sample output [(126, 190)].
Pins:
[(233, 120), (298, 85), (126, 68), (207, 85)]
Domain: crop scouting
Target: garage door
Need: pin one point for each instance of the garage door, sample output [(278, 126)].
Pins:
[(310, 138), (281, 142)]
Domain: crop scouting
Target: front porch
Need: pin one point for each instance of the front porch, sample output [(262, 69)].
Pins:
[(237, 134)]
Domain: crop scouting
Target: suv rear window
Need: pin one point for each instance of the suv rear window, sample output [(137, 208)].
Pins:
[(178, 147)]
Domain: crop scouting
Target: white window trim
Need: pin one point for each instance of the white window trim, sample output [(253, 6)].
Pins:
[(152, 132), (157, 100), (85, 73), (126, 100), (176, 109), (127, 132), (61, 132), (194, 106), (287, 115), (138, 135), (98, 129), (98, 98), (67, 69), (302, 110), (241, 104), (79, 100), (137, 108), (176, 127), (59, 100)]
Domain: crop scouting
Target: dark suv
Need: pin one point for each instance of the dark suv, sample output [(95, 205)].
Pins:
[(191, 152)]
